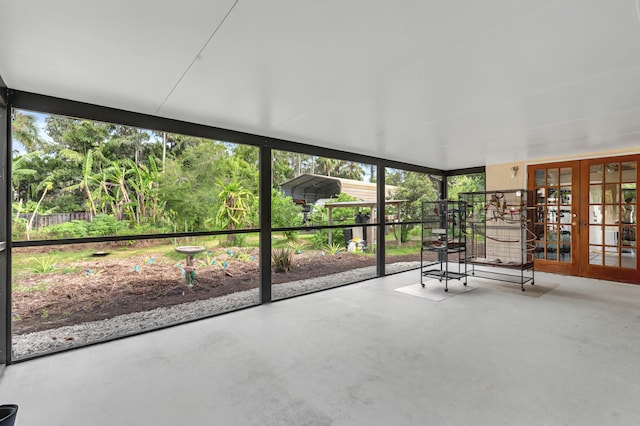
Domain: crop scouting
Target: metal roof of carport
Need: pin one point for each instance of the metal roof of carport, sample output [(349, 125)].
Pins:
[(311, 188)]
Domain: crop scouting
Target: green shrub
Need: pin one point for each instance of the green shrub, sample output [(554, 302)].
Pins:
[(67, 202), (404, 233), (290, 235), (72, 229), (415, 231), (334, 248), (284, 213), (282, 259), (239, 240), (103, 225), (145, 228), (319, 239), (297, 246), (43, 265), (19, 229)]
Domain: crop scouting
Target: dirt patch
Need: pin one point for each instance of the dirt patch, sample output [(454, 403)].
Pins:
[(104, 287)]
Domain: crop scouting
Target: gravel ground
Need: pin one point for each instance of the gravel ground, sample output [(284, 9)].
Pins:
[(122, 325)]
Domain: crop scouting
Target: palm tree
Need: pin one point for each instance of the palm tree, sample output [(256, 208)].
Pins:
[(19, 169), (350, 170), (117, 178), (87, 179), (325, 166), (47, 185), (24, 130), (144, 182)]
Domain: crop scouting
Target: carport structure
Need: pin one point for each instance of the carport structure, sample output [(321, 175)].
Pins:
[(311, 188)]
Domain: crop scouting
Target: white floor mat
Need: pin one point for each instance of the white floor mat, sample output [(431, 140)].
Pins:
[(434, 290)]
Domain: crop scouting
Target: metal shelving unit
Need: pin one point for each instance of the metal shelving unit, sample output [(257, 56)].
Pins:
[(443, 242)]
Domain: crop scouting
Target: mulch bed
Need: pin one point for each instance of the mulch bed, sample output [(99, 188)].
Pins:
[(100, 288)]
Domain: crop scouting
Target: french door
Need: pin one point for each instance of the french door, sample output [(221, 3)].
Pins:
[(585, 217), (556, 196)]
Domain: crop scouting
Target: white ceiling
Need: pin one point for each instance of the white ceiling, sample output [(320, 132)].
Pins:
[(441, 83)]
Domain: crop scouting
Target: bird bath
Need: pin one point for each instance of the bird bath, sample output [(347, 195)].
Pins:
[(190, 269)]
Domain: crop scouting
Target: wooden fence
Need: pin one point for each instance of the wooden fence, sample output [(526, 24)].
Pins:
[(42, 220)]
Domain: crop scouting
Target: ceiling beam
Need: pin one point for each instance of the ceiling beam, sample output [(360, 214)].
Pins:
[(466, 171), (53, 105)]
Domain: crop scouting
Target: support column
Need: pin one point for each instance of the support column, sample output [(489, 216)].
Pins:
[(5, 218), (265, 224), (380, 254), (330, 221)]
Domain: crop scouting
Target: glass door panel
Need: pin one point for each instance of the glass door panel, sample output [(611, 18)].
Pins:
[(612, 172), (611, 215), (565, 176), (595, 193), (556, 204), (611, 224), (612, 193), (586, 217)]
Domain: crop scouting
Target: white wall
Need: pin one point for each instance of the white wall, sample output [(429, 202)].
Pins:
[(500, 176)]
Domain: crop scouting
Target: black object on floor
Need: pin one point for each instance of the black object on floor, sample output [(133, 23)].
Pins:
[(8, 413)]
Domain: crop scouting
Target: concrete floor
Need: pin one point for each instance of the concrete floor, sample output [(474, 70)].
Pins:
[(362, 355)]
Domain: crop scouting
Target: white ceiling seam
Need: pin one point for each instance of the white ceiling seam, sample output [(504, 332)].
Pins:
[(197, 56), (303, 112)]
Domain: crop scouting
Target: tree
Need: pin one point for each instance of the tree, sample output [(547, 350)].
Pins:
[(188, 188), (46, 185), (233, 210), (394, 177), (77, 135), (116, 177), (282, 168), (249, 154), (20, 169), (24, 130), (144, 181), (349, 170), (127, 142), (87, 180), (416, 188), (177, 144), (285, 213), (326, 166), (465, 183)]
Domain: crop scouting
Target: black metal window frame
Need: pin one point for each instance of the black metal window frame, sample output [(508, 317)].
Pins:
[(15, 99), (5, 283)]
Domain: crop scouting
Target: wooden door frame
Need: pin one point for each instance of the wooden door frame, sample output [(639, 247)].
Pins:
[(597, 271), (579, 265), (557, 267)]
